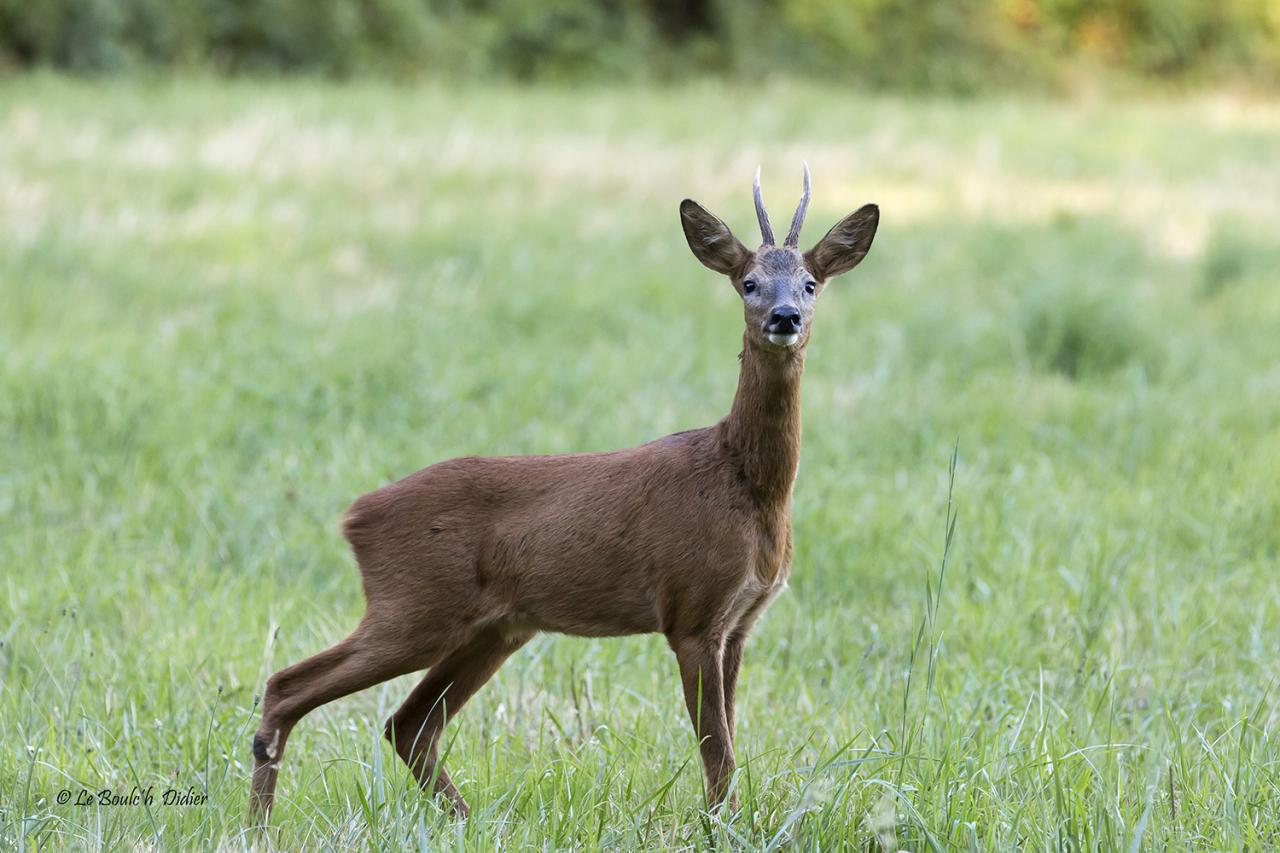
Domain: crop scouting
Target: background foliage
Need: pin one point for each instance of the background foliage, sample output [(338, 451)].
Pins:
[(953, 45)]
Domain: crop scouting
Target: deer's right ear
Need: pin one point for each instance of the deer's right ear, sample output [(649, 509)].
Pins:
[(711, 240)]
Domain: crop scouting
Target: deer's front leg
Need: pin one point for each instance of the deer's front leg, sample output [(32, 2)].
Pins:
[(701, 662), (732, 664), (733, 649)]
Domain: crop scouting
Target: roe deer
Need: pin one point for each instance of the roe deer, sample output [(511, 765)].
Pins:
[(689, 535)]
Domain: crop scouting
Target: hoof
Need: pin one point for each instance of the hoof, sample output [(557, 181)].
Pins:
[(458, 807)]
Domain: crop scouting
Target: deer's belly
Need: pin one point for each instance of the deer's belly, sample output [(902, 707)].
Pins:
[(589, 613), (601, 596)]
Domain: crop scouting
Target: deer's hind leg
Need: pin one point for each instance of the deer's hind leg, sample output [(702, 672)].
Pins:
[(415, 728), (372, 654)]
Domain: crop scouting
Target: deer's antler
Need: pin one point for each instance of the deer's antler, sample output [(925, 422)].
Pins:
[(766, 230), (797, 221)]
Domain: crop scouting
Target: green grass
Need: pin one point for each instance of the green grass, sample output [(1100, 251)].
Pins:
[(220, 321)]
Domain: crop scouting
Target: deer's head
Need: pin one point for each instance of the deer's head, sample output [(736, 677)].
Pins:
[(779, 285)]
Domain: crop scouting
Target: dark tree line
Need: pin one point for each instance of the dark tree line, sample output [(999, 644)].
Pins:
[(905, 44)]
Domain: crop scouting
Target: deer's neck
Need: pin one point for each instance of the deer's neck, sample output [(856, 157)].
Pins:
[(762, 429)]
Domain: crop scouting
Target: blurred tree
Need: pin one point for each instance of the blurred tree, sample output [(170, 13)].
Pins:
[(677, 20), (948, 45)]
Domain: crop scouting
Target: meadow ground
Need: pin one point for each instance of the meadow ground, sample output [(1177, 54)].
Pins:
[(226, 310)]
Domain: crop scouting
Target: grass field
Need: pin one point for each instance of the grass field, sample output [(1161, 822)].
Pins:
[(226, 310)]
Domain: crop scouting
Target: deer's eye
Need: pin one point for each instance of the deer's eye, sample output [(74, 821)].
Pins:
[(748, 287), (811, 288)]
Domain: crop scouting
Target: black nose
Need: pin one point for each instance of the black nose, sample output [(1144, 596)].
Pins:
[(784, 320)]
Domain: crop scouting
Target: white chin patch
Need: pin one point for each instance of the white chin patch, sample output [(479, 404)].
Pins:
[(783, 340)]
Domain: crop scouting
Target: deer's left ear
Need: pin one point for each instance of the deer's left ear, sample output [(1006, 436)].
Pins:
[(845, 245), (711, 240)]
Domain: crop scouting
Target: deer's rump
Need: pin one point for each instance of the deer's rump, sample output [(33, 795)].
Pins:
[(591, 544)]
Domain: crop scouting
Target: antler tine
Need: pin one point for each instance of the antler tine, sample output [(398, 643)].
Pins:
[(797, 221), (766, 230)]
